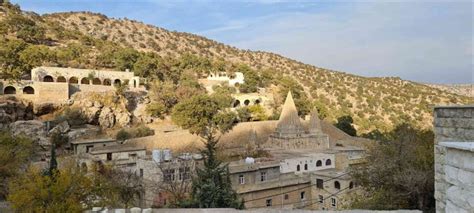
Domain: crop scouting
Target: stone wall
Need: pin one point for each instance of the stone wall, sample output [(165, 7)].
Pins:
[(451, 124), (459, 176)]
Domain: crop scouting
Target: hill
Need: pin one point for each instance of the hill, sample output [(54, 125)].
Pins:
[(89, 40), (460, 89)]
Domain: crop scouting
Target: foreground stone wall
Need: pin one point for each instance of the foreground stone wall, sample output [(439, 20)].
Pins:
[(451, 124), (138, 210)]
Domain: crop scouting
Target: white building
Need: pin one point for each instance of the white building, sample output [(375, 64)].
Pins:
[(233, 80)]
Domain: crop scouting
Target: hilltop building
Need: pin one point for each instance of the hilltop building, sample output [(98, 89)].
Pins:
[(233, 80)]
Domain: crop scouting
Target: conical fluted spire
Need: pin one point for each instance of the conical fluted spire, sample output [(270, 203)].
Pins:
[(314, 122), (289, 121)]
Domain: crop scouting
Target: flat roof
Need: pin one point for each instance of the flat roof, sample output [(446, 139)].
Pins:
[(101, 140), (116, 148)]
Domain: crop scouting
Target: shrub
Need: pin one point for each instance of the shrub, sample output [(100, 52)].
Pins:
[(122, 135), (73, 116), (156, 109), (142, 131)]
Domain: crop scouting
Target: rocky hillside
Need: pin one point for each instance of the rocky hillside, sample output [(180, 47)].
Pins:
[(372, 102), (460, 89)]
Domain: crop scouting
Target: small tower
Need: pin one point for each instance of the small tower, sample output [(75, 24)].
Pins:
[(289, 123), (315, 123)]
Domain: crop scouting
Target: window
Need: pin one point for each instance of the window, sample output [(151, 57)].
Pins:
[(109, 156), (321, 199), (263, 176), (287, 197), (328, 162), (88, 148), (351, 185), (269, 202), (337, 185), (184, 173), (298, 168), (132, 155), (302, 195), (333, 202), (141, 172), (168, 175), (305, 166), (319, 183), (241, 179), (319, 163)]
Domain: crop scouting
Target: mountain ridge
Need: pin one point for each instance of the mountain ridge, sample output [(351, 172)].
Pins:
[(373, 102)]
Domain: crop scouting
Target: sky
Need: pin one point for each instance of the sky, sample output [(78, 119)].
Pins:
[(424, 41)]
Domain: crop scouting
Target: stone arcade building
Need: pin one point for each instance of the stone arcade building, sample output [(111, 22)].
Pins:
[(57, 84)]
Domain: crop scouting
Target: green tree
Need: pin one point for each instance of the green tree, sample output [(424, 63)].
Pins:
[(258, 113), (69, 189), (344, 123), (36, 55), (244, 114), (163, 97), (15, 152), (10, 64), (252, 79), (125, 58), (204, 116), (399, 172), (148, 65)]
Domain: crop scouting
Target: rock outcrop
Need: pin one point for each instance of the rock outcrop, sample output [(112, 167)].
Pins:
[(105, 109), (12, 109), (33, 129)]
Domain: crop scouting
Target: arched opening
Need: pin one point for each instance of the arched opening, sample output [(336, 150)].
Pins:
[(28, 90), (73, 80), (107, 82), (9, 90), (351, 185), (298, 168), (117, 82), (96, 81), (237, 85), (305, 166), (328, 162), (337, 185), (319, 163), (134, 84), (257, 102), (48, 78), (246, 102), (85, 81), (236, 103), (61, 79)]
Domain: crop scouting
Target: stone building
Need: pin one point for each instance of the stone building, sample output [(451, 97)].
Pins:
[(454, 158), (304, 170), (290, 133), (233, 80), (164, 178), (57, 84)]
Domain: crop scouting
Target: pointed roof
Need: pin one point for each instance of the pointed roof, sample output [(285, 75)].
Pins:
[(314, 122), (289, 121)]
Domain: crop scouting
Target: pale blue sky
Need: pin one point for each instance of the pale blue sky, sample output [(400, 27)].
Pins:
[(425, 41)]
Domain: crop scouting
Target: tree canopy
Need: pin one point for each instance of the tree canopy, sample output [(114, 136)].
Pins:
[(205, 116), (399, 172)]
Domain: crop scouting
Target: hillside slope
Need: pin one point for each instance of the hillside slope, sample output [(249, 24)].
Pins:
[(372, 102)]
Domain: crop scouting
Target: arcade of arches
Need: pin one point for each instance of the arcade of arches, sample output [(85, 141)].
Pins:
[(95, 81)]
